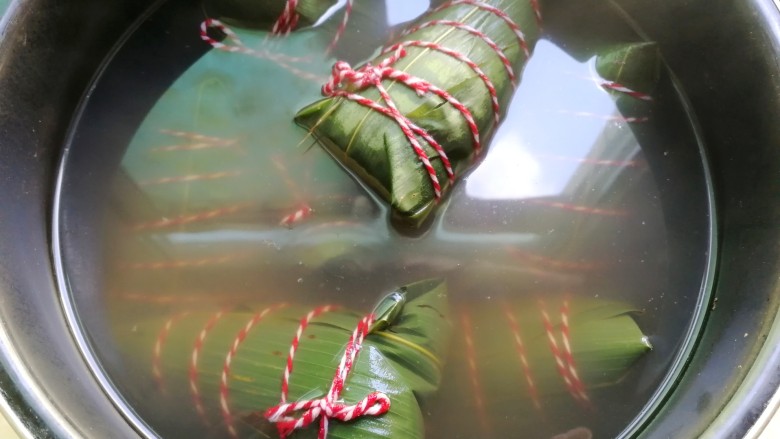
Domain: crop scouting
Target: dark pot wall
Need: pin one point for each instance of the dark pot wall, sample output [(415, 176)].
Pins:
[(45, 68), (727, 56)]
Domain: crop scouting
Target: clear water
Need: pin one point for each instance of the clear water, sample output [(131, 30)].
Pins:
[(570, 201)]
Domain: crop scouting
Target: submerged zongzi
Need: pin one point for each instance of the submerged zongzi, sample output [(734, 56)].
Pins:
[(284, 367), (526, 361)]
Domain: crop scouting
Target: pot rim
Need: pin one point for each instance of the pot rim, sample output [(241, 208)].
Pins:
[(28, 408)]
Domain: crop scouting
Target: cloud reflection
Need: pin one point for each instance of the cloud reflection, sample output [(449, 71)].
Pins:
[(510, 172), (545, 137)]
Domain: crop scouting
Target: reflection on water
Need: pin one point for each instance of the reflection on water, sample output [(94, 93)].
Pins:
[(551, 135), (222, 205), (400, 11), (549, 176)]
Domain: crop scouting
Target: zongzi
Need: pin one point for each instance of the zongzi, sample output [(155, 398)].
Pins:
[(285, 367), (524, 361), (417, 116)]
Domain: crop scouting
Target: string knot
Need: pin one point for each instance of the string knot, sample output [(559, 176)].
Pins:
[(366, 76), (330, 406), (343, 74), (338, 75), (375, 404)]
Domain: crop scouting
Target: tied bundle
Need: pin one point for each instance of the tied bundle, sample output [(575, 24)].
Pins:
[(417, 116), (316, 372), (524, 362)]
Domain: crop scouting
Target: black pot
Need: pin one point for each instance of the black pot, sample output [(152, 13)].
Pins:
[(723, 52)]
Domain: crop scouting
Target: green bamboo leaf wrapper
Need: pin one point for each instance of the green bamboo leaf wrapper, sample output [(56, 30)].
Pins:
[(263, 13), (373, 147), (403, 361), (495, 396), (220, 96), (633, 65)]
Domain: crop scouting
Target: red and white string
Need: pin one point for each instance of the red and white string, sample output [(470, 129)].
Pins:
[(555, 263), (564, 359), (202, 216), (304, 210), (582, 209), (620, 88), (195, 137), (473, 31), (478, 70), (296, 342), (288, 21), (342, 27), (345, 82), (224, 388), (607, 117), (614, 86), (329, 407), (159, 344), (235, 45), (297, 216), (193, 375), (473, 370), (579, 387), (190, 178), (514, 326), (497, 12), (197, 141)]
